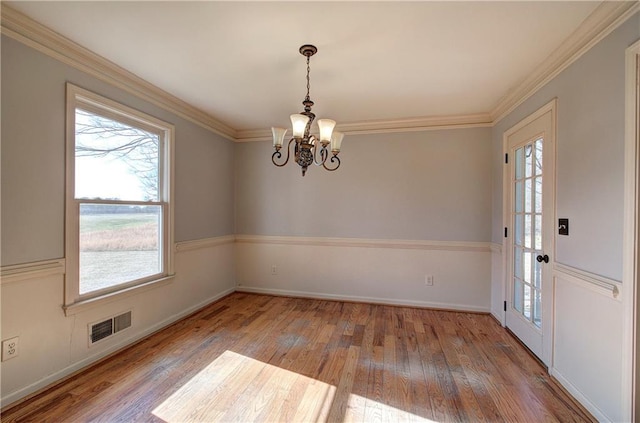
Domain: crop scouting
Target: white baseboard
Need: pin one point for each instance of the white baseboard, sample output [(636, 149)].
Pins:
[(372, 300), (575, 392), (499, 317), (59, 375)]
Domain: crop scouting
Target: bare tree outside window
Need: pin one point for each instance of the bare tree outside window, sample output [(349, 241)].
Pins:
[(100, 137)]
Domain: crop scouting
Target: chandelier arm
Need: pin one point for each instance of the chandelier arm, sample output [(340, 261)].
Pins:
[(315, 156), (277, 154), (333, 160), (323, 153)]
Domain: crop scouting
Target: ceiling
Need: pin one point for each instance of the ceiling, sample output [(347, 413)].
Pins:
[(239, 61)]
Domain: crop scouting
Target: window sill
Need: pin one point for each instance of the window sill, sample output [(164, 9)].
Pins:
[(88, 304)]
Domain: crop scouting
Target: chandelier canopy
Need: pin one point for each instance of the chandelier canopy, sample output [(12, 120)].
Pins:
[(306, 145)]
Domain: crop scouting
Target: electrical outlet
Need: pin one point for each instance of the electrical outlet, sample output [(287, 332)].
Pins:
[(428, 280), (274, 269), (9, 348)]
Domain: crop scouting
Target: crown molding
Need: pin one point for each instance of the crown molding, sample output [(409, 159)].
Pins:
[(388, 126), (37, 36), (601, 22), (604, 19)]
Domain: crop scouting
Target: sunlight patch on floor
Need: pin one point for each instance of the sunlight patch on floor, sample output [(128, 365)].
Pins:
[(238, 388)]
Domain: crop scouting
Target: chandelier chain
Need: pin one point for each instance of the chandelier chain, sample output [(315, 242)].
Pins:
[(308, 83)]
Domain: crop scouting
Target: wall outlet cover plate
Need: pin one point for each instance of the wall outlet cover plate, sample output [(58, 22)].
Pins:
[(10, 348)]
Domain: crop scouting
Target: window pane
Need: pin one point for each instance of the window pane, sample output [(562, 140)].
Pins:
[(517, 295), (528, 158), (518, 205), (537, 308), (539, 157), (527, 196), (518, 270), (538, 232), (114, 160), (538, 195), (527, 231), (527, 302), (519, 229), (527, 266), (519, 162), (537, 280), (118, 244)]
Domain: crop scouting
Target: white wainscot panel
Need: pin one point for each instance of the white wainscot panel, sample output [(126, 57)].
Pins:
[(588, 345), (497, 286), (53, 346), (377, 271), (32, 310)]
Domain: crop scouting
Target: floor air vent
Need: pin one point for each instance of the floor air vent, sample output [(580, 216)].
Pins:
[(104, 329), (121, 322)]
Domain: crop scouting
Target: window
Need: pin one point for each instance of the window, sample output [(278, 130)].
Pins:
[(118, 207)]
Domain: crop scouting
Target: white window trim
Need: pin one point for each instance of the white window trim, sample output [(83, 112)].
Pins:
[(79, 97)]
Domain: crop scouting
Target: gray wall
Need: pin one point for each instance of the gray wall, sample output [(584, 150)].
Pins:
[(430, 185), (590, 154), (33, 145)]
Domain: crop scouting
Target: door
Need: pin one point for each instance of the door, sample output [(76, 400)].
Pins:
[(530, 186)]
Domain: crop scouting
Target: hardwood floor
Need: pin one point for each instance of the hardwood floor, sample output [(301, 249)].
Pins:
[(274, 359)]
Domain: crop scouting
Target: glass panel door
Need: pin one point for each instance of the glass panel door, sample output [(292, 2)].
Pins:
[(529, 216), (527, 224)]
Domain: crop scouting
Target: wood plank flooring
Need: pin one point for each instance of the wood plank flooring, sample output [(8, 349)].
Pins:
[(274, 359)]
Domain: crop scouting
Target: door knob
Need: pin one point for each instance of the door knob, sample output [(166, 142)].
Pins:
[(544, 258)]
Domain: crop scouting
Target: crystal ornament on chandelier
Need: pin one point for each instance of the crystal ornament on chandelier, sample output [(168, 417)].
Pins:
[(307, 148)]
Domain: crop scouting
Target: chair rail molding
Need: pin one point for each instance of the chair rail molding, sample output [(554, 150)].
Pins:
[(33, 270), (367, 243), (198, 244), (608, 287)]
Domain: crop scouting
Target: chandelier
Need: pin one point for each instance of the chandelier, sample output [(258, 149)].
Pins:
[(306, 145)]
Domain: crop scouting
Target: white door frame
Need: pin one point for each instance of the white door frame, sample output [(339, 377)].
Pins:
[(631, 237), (547, 306)]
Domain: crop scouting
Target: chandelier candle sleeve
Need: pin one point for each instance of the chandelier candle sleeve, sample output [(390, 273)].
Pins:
[(326, 128), (306, 148), (299, 124), (278, 137), (336, 141)]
